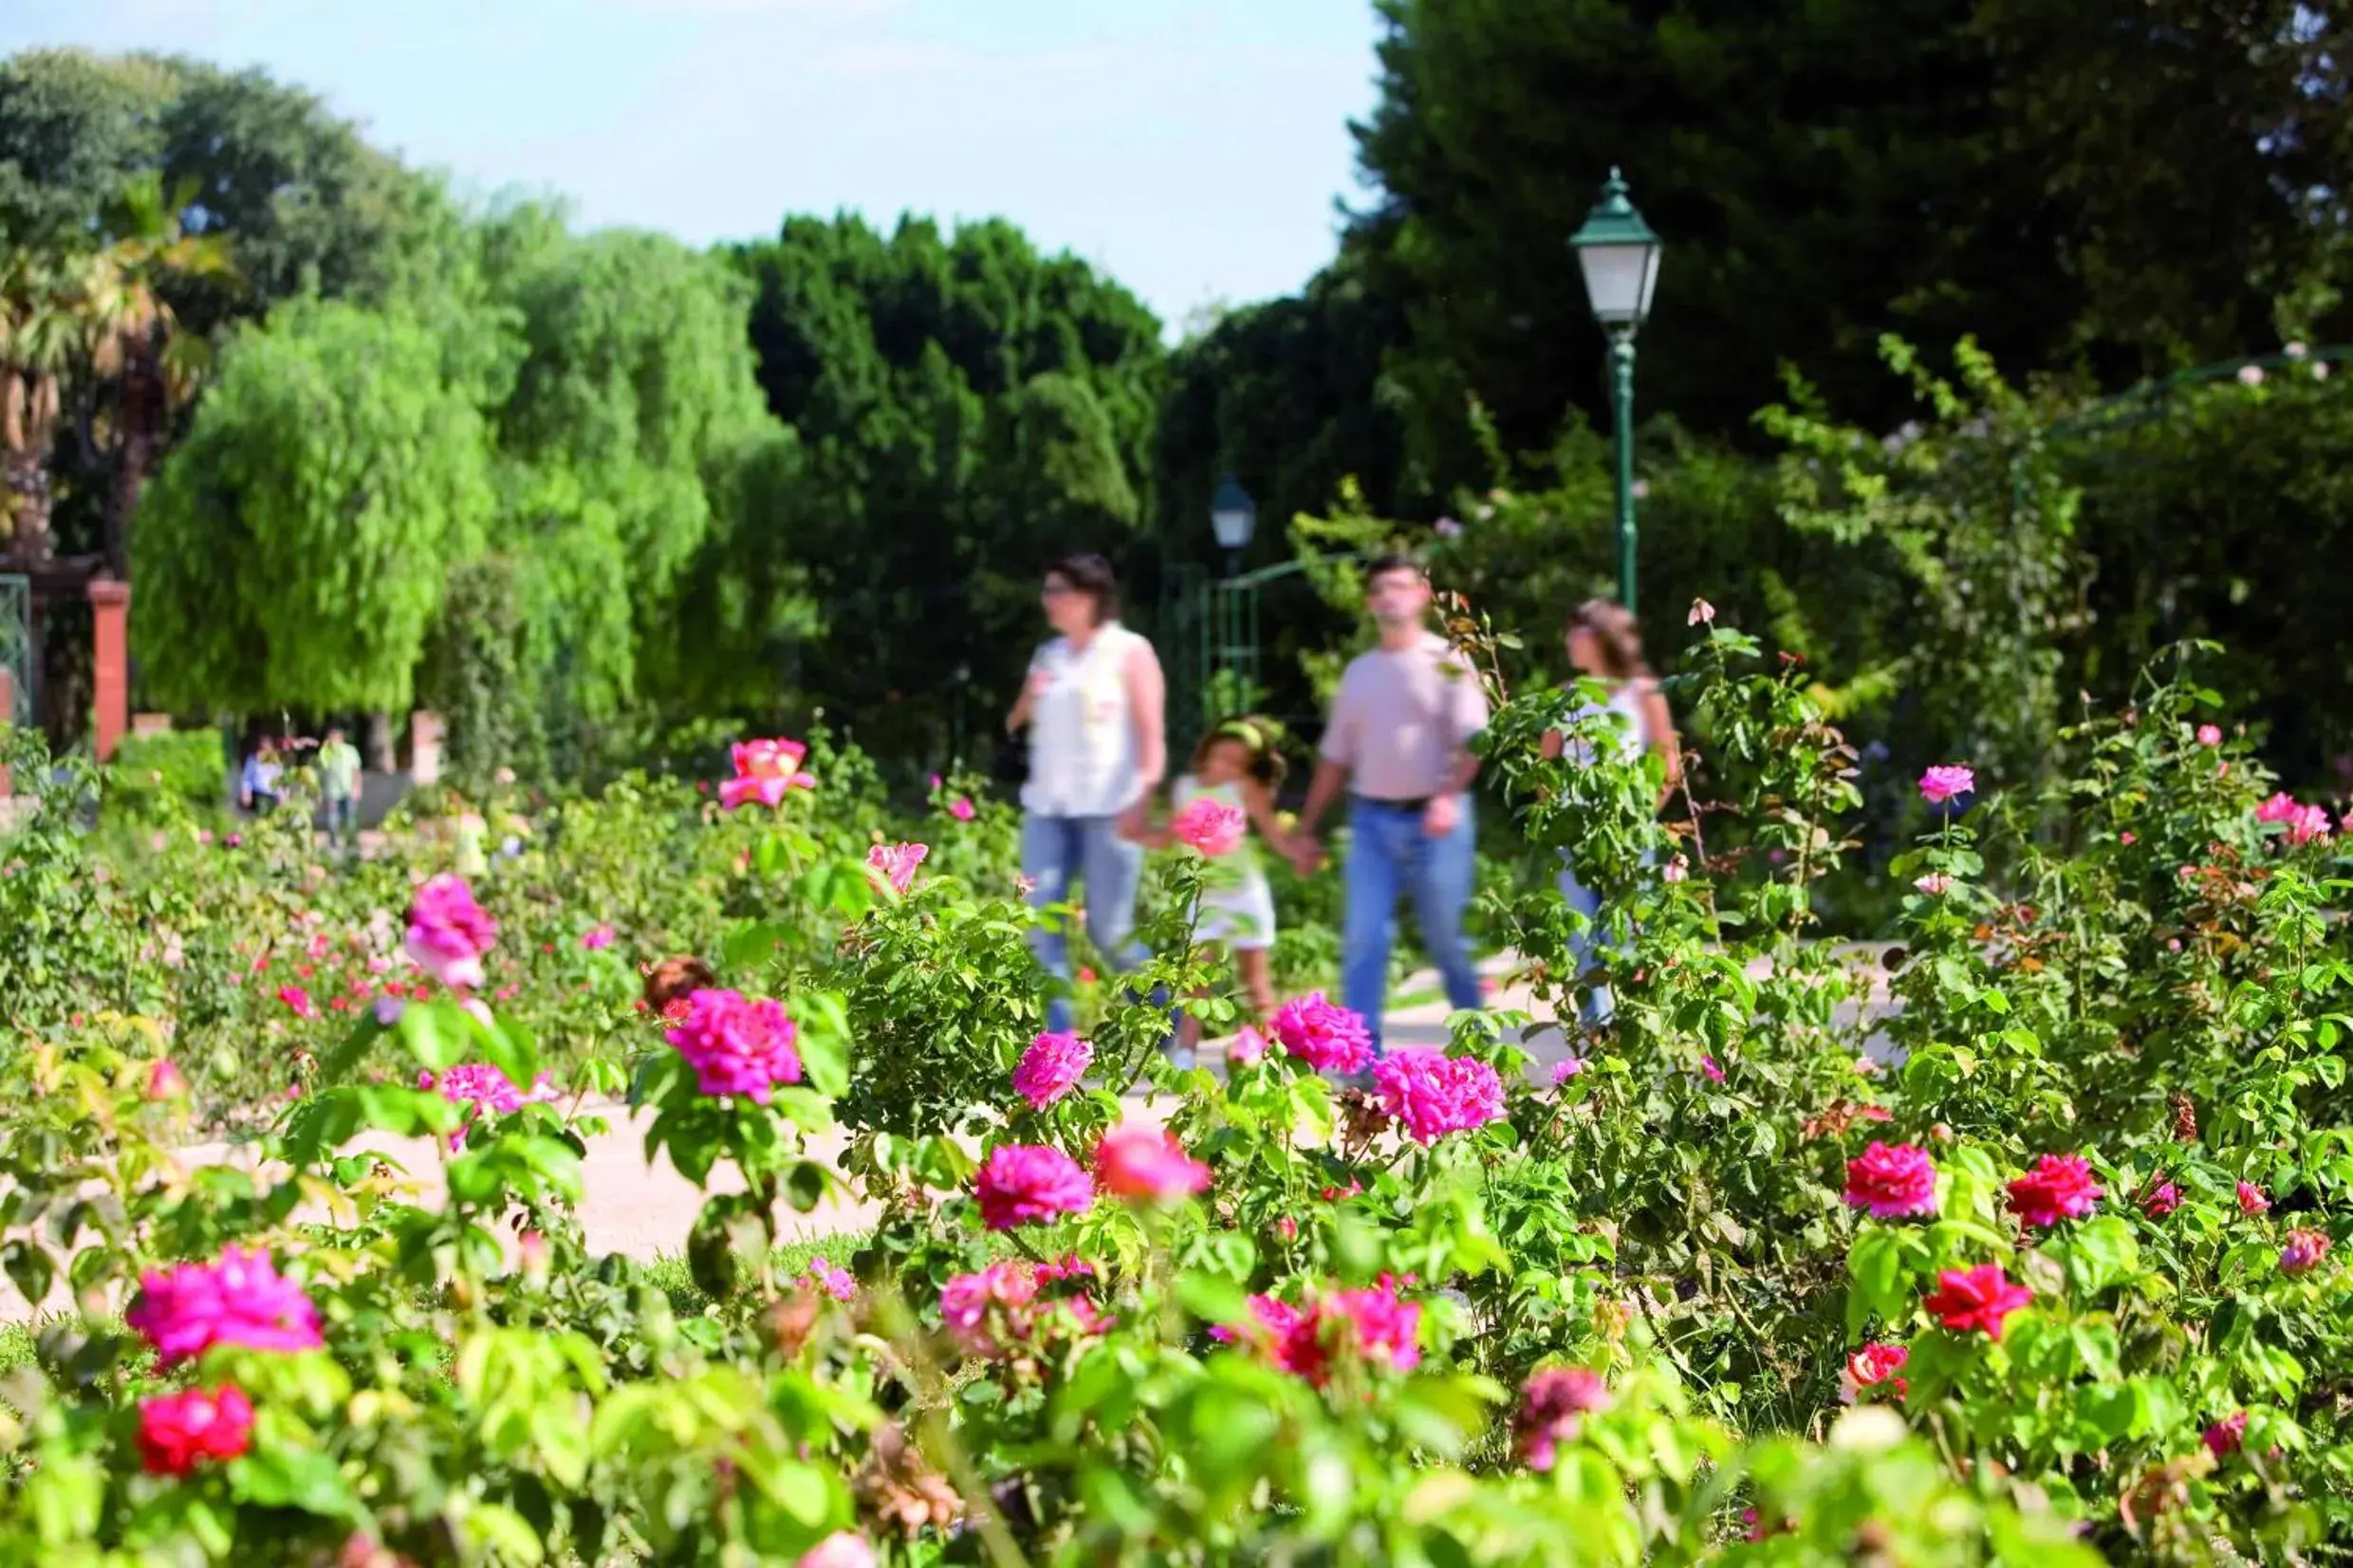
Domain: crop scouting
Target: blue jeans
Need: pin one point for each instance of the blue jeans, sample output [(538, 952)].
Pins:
[(1054, 852), (343, 814), (1389, 857), (1600, 1007)]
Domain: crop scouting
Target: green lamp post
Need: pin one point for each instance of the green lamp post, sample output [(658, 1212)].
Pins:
[(1618, 255)]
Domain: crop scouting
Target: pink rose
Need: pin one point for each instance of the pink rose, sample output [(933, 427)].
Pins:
[(1553, 1405), (1147, 1163), (1945, 783), (765, 770), (2210, 734), (240, 1300), (896, 863), (1209, 827), (1892, 1179), (842, 1549), (1050, 1068), (2251, 1199), (2058, 1187), (448, 932), (1025, 1184), (1324, 1035), (1431, 1094), (1246, 1048), (1872, 1366), (962, 809), (737, 1046), (1977, 1299)]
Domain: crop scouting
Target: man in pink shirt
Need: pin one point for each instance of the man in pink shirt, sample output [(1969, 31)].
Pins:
[(1398, 742)]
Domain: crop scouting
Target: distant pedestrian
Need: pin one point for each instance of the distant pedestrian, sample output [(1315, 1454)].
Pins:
[(1093, 704), (257, 786), (1398, 742), (1605, 646), (471, 831), (339, 784)]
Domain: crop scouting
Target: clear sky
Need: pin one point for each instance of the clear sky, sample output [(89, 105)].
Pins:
[(1195, 148)]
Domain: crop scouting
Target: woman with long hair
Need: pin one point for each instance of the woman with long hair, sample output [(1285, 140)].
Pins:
[(1605, 646)]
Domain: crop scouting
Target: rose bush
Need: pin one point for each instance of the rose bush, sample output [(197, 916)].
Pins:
[(1932, 1252)]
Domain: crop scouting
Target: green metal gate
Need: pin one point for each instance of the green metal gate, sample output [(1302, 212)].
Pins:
[(16, 644)]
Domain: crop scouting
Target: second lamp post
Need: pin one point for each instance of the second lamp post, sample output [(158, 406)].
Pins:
[(1618, 255)]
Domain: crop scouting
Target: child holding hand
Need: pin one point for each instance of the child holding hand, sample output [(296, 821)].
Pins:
[(1234, 773)]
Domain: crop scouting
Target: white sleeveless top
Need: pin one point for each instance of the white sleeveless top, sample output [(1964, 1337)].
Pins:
[(1083, 729), (1633, 724)]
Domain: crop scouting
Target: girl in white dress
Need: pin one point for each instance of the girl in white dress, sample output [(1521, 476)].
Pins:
[(1236, 764)]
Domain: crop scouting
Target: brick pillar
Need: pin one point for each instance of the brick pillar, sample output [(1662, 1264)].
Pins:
[(110, 618)]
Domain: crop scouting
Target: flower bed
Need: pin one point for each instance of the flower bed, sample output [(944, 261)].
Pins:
[(2068, 1281)]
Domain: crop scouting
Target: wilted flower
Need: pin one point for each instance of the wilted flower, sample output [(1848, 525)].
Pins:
[(1553, 1405), (1209, 827), (1433, 1093), (2223, 1438), (2304, 1251), (1050, 1068), (1322, 1034), (2058, 1187), (240, 1300), (1946, 782), (1025, 1184), (897, 863), (1979, 1299), (1702, 614), (737, 1046), (178, 1431), (1148, 1163), (2160, 1200), (1936, 884), (1676, 869), (449, 931), (1892, 1179)]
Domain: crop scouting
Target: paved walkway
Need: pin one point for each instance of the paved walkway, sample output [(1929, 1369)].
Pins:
[(644, 1211)]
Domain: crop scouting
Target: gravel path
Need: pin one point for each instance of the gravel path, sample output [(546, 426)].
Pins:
[(645, 1211)]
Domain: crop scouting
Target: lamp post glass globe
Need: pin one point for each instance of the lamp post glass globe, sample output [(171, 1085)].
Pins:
[(1232, 515), (1618, 255)]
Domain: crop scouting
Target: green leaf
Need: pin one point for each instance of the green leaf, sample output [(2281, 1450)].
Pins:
[(1212, 1298)]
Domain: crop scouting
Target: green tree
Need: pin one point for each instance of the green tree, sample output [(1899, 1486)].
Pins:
[(964, 409), (2069, 182), (295, 547)]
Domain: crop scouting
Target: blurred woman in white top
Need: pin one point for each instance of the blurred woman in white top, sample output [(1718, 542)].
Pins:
[(1605, 646), (1093, 704)]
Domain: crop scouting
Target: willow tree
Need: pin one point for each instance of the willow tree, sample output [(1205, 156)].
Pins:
[(295, 549)]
